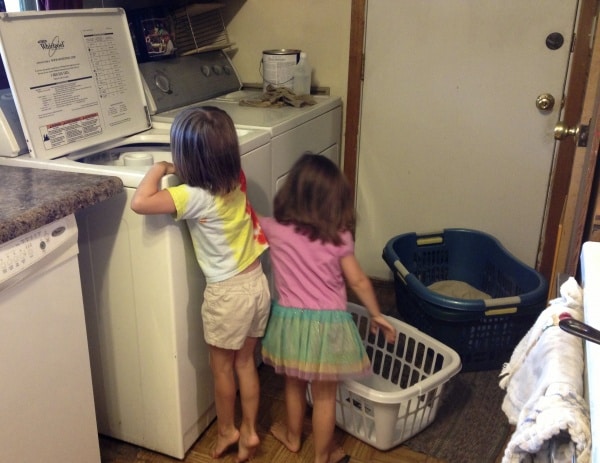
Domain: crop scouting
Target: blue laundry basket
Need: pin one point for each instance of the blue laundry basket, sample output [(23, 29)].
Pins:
[(484, 332)]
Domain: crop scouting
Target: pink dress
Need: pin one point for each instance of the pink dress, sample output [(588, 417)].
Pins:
[(310, 335)]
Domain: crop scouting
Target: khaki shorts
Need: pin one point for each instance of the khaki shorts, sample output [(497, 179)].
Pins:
[(236, 309)]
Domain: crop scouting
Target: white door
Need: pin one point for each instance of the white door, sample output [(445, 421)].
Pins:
[(450, 133)]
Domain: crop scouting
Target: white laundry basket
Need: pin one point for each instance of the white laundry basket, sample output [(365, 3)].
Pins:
[(402, 395)]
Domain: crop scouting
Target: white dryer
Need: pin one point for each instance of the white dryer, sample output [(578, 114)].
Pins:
[(81, 104), (315, 128)]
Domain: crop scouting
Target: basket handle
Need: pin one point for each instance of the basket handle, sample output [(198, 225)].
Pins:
[(502, 311), (505, 302), (428, 240), (402, 270), (501, 306)]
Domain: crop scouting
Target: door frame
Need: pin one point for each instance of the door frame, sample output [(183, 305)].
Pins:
[(586, 198), (560, 177)]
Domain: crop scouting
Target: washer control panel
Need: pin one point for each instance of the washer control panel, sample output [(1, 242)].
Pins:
[(186, 80)]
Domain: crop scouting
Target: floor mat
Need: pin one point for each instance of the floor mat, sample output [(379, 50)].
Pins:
[(470, 426)]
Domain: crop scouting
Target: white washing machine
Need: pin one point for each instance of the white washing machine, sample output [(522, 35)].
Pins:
[(81, 105)]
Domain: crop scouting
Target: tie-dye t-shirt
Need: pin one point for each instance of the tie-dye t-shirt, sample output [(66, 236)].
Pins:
[(225, 231)]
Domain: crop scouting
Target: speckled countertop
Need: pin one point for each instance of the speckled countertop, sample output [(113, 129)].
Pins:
[(31, 198)]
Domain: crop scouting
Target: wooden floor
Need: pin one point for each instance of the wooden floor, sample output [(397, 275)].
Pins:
[(272, 409), (270, 450)]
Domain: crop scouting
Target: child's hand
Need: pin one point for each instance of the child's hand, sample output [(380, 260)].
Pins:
[(388, 330), (168, 167), (148, 197)]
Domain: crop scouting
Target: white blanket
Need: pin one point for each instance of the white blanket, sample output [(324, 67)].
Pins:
[(544, 384)]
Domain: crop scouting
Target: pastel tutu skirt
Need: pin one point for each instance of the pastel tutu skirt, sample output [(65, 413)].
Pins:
[(321, 345)]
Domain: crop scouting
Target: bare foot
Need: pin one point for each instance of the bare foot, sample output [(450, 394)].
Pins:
[(279, 431), (338, 456), (247, 446), (224, 442)]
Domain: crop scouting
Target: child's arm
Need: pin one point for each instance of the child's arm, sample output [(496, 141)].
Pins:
[(148, 197), (361, 285)]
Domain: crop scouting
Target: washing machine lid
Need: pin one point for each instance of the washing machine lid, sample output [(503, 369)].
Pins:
[(74, 78)]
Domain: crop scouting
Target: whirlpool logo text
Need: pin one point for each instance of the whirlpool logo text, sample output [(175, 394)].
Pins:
[(55, 44)]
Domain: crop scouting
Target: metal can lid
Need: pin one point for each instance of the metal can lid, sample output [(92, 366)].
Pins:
[(281, 51)]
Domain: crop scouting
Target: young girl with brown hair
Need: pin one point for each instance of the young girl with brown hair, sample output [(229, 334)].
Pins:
[(228, 243), (310, 337)]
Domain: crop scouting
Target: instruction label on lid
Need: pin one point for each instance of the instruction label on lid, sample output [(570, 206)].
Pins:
[(74, 78)]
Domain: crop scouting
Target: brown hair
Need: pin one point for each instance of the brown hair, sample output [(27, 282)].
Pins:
[(316, 199), (205, 149)]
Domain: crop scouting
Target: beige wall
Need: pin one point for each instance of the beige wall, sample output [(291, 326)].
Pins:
[(320, 28)]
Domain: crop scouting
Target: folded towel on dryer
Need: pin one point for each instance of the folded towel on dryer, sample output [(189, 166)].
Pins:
[(544, 384), (278, 96)]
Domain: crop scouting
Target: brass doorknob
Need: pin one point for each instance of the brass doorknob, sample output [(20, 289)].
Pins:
[(544, 102), (562, 131)]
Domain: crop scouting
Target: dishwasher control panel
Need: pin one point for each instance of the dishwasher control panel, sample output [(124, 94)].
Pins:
[(38, 248)]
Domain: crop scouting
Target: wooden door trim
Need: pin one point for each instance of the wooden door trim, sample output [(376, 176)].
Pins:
[(587, 198), (353, 96), (563, 165), (562, 170)]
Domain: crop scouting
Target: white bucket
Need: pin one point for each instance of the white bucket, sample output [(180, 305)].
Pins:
[(278, 67)]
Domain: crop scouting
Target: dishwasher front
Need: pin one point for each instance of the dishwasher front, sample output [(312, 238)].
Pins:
[(46, 396)]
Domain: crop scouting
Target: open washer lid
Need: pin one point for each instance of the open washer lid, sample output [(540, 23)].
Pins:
[(74, 78)]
